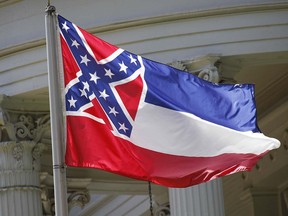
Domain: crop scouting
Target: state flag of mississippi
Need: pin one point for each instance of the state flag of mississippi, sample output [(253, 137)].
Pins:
[(138, 118)]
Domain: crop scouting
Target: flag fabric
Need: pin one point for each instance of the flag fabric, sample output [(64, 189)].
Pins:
[(146, 120)]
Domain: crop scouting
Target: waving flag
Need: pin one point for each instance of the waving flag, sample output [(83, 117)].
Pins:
[(142, 119)]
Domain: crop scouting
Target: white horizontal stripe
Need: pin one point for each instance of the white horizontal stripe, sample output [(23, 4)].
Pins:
[(178, 133)]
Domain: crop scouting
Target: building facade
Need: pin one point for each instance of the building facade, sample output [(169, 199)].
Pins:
[(220, 41)]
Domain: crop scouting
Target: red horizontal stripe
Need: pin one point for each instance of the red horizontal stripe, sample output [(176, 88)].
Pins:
[(90, 144)]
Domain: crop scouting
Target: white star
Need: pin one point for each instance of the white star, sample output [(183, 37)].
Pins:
[(108, 73), (94, 77), (122, 127), (123, 67), (64, 26), (103, 94), (133, 60), (86, 86), (113, 111), (75, 43), (84, 60), (83, 92), (72, 102)]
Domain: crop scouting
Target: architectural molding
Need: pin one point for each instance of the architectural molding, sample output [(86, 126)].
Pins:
[(4, 3), (19, 174), (190, 15), (78, 198), (205, 67), (19, 126), (75, 198), (22, 124), (19, 157), (162, 210), (78, 194), (24, 105), (155, 20), (21, 147)]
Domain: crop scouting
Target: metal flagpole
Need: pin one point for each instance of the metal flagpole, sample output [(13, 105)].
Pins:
[(56, 117)]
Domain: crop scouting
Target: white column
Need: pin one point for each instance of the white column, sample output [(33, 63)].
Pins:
[(21, 136), (205, 199), (19, 174)]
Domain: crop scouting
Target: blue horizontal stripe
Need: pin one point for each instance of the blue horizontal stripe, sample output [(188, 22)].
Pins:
[(232, 106)]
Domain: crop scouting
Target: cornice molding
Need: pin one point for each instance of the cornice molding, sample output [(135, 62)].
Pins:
[(156, 20), (189, 15), (22, 47), (4, 3), (24, 105), (131, 187)]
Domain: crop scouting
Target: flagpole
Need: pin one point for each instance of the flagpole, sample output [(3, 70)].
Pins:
[(56, 117)]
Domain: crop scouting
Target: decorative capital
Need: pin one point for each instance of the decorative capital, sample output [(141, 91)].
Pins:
[(78, 195), (23, 119), (205, 67), (78, 198), (17, 153), (162, 210), (20, 156), (16, 126), (20, 126)]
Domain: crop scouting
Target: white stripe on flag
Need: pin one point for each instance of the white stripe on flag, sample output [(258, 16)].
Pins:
[(178, 133)]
